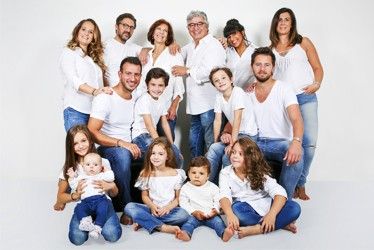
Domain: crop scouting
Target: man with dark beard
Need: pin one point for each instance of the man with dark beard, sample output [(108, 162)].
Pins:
[(278, 119)]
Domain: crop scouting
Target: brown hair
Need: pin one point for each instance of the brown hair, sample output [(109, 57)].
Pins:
[(95, 49), (171, 162), (71, 158), (157, 73), (215, 70), (199, 161), (170, 37), (263, 51), (294, 37), (254, 163)]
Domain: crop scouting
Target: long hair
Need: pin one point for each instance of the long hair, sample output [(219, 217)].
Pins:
[(71, 158), (95, 49), (255, 165), (294, 37), (171, 162), (170, 36)]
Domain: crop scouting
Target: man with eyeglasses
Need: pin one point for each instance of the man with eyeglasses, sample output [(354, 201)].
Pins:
[(117, 48), (201, 55)]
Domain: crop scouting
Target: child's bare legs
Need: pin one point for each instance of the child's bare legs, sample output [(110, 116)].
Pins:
[(168, 229), (302, 194), (227, 234), (182, 235)]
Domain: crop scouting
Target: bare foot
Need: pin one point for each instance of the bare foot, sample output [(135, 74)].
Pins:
[(59, 206), (296, 193), (136, 226), (227, 234), (182, 235), (125, 220), (249, 230), (302, 194), (169, 229), (291, 227)]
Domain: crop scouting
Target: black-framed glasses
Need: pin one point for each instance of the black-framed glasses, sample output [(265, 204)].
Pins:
[(193, 25), (126, 26)]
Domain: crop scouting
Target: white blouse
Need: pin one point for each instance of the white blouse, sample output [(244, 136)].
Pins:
[(76, 70), (162, 188)]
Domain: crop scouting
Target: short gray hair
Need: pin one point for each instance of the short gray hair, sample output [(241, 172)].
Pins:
[(197, 13)]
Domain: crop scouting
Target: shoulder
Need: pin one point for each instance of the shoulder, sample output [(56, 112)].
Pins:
[(226, 171), (212, 186), (181, 172), (306, 43)]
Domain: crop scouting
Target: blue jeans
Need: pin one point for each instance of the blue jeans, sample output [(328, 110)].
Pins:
[(172, 124), (120, 162), (96, 206), (111, 231), (141, 214), (143, 141), (248, 216), (218, 159), (73, 118), (201, 132), (308, 107), (215, 223), (275, 150)]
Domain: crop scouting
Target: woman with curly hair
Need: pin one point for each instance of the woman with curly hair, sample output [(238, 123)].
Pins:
[(254, 202), (82, 68)]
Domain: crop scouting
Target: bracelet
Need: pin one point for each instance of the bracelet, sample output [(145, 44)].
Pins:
[(93, 92), (315, 82), (71, 196), (117, 143), (296, 139)]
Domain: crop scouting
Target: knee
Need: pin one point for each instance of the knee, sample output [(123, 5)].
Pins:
[(293, 209), (131, 209), (112, 233), (77, 237)]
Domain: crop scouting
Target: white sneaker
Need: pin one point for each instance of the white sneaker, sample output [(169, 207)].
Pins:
[(96, 232), (86, 224)]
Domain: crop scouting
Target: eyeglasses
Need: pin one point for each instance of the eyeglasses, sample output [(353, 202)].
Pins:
[(193, 25), (126, 26)]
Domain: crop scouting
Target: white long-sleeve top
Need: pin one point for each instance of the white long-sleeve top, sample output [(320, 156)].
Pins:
[(200, 60), (77, 69), (240, 66), (164, 61), (233, 188), (203, 198)]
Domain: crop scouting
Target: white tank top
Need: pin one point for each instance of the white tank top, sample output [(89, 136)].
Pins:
[(294, 68)]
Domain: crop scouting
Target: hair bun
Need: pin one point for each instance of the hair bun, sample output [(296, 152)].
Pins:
[(232, 22)]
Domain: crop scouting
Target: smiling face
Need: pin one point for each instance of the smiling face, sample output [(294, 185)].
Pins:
[(125, 29), (92, 164), (85, 34), (198, 175), (221, 81), (262, 68), (156, 87), (129, 76), (235, 39), (159, 156), (81, 144), (284, 23), (160, 34), (237, 157), (197, 28)]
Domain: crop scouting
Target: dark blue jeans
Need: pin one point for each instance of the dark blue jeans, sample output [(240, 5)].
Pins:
[(172, 124), (201, 133), (95, 206), (215, 223)]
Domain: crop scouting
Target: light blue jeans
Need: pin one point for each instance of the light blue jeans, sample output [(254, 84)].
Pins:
[(141, 214), (111, 231), (215, 223), (143, 141), (201, 132), (309, 111), (218, 159), (248, 216), (275, 150), (73, 118), (172, 124)]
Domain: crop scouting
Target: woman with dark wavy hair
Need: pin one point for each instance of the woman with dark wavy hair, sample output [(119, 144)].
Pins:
[(82, 68), (298, 64)]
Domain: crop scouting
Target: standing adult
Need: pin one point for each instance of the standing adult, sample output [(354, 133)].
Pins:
[(82, 68), (161, 35), (298, 64), (279, 121), (110, 124), (239, 53), (201, 55)]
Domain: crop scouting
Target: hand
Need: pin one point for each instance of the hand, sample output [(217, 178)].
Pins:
[(154, 210), (143, 55), (80, 189), (268, 223), (59, 206), (163, 211), (199, 215), (71, 173), (212, 213), (312, 88), (179, 70), (250, 87), (226, 138), (172, 113), (228, 149), (103, 186), (174, 48), (103, 90), (133, 148), (233, 222), (294, 153), (223, 41)]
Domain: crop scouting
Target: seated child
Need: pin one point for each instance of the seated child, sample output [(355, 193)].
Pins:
[(200, 198), (93, 202)]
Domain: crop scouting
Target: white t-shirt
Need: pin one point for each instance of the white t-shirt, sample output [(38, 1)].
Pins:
[(238, 100), (241, 66), (233, 188), (146, 105), (208, 54), (117, 114), (114, 53), (76, 70), (162, 188), (271, 115), (203, 198), (165, 61)]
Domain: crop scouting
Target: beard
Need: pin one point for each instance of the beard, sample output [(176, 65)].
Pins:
[(263, 78)]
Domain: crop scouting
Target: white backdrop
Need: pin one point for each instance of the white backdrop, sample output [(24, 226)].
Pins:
[(33, 34)]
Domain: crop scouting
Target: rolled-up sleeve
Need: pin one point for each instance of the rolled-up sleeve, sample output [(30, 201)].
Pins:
[(273, 188), (224, 187)]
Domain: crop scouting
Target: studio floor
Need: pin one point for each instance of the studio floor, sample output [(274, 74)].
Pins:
[(339, 216)]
